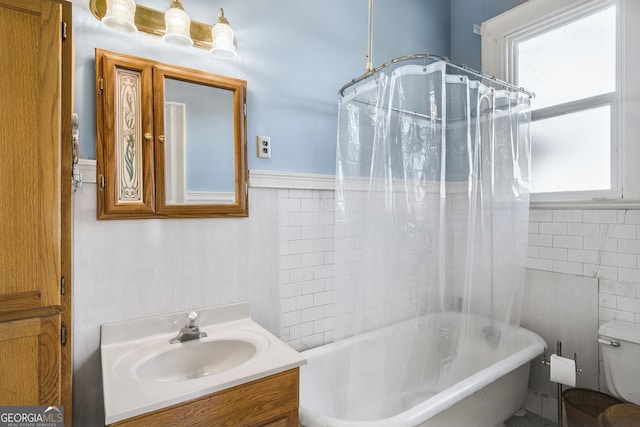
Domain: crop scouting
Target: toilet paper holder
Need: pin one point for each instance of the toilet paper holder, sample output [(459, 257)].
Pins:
[(546, 361)]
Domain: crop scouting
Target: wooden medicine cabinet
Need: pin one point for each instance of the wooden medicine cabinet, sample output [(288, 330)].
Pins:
[(171, 141)]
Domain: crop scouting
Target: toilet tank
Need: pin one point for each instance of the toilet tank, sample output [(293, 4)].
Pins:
[(621, 362)]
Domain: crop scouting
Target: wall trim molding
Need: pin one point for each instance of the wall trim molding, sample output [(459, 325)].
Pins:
[(257, 178), (311, 181), (88, 170), (291, 180)]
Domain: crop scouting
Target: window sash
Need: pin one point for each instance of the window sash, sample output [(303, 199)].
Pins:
[(575, 106), (614, 192), (608, 99)]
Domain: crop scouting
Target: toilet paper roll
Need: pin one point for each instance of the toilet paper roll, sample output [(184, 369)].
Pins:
[(563, 370)]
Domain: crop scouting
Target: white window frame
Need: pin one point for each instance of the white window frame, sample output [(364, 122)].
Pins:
[(499, 37)]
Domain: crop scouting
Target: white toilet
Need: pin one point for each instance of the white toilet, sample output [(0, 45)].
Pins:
[(620, 344)]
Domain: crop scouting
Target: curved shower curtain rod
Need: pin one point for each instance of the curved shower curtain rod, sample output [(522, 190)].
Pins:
[(463, 68)]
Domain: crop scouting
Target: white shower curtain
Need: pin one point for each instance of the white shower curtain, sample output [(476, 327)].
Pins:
[(432, 199)]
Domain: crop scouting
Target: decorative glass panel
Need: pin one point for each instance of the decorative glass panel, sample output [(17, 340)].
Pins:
[(128, 134)]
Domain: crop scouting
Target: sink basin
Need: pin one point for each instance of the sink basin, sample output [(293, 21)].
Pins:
[(157, 361), (143, 372), (194, 359)]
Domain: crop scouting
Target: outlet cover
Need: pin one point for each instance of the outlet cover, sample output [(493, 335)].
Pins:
[(264, 147)]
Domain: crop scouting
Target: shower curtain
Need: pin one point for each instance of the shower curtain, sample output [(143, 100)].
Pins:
[(432, 200)]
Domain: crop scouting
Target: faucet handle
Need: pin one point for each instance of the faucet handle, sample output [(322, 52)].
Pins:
[(192, 317)]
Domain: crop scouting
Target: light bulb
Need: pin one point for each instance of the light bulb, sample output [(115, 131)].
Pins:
[(177, 25), (121, 15), (223, 41)]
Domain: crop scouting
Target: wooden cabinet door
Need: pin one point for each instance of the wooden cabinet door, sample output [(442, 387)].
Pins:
[(35, 202), (124, 132), (30, 131), (30, 355)]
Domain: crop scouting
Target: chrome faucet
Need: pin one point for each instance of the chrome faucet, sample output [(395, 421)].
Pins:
[(190, 331)]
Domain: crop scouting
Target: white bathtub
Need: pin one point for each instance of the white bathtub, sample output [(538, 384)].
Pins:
[(483, 386)]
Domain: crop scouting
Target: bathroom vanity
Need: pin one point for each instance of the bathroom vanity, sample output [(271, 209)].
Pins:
[(239, 374), (268, 402)]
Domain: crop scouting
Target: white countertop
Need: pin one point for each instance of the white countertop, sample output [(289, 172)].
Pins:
[(125, 345)]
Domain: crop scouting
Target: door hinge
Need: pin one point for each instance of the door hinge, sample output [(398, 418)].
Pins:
[(63, 285), (63, 334), (64, 31), (101, 180), (245, 110), (100, 86)]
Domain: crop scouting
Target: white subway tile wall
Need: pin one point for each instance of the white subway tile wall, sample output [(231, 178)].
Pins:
[(603, 244), (306, 267), (319, 263)]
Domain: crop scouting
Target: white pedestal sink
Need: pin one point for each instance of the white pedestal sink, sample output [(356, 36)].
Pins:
[(143, 372)]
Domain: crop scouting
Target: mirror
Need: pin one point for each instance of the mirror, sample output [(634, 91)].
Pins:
[(194, 138), (198, 144)]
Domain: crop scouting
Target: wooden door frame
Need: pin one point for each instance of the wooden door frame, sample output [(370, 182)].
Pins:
[(66, 206)]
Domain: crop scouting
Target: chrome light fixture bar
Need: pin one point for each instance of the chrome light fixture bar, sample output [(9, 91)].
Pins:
[(152, 21)]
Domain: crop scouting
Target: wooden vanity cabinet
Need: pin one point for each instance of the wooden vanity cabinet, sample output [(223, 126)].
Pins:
[(267, 402), (35, 203)]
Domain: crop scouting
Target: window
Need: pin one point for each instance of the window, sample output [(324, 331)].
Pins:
[(572, 111), (570, 53)]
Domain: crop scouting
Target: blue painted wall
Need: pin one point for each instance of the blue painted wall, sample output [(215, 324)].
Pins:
[(295, 55), (465, 44)]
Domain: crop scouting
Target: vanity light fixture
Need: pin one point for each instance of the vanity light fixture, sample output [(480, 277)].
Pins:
[(177, 25), (223, 40), (174, 25), (121, 15)]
